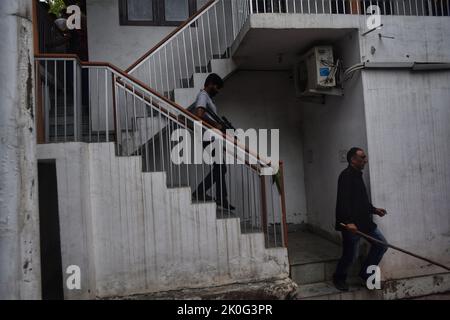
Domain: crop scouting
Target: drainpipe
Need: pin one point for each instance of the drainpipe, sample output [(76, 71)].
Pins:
[(19, 218)]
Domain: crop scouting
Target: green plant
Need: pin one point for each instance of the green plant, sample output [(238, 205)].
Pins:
[(276, 178), (56, 7)]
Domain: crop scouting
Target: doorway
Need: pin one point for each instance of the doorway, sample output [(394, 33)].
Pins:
[(51, 261)]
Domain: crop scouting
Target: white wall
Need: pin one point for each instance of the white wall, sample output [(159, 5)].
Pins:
[(130, 234), (330, 130), (408, 134), (407, 118), (20, 274), (110, 42), (123, 45), (417, 39), (266, 100)]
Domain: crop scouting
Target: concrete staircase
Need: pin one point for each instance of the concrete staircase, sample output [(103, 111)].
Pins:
[(150, 238), (222, 66), (313, 261)]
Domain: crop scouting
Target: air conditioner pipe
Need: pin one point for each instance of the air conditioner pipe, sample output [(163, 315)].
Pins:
[(413, 66)]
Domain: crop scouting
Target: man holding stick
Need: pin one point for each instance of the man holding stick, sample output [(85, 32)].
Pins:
[(354, 210)]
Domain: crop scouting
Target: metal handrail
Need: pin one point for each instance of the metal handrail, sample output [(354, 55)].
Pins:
[(142, 86), (190, 48), (132, 102), (173, 34)]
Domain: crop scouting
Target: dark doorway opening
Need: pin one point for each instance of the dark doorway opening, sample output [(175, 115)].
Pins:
[(51, 262)]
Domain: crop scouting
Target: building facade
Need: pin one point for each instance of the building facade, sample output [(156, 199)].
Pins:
[(123, 213)]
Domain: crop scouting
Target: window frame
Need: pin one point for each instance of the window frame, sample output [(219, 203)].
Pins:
[(159, 19)]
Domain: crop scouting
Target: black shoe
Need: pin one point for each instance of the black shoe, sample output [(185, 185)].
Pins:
[(225, 205), (363, 279), (340, 284)]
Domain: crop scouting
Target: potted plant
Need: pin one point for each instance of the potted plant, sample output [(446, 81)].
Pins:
[(57, 7)]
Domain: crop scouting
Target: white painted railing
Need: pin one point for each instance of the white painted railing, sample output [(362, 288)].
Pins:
[(207, 35), (97, 102), (387, 7)]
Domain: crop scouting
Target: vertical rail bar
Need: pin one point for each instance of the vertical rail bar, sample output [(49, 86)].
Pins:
[(283, 207), (167, 72), (264, 207), (55, 79), (226, 40), (65, 100), (75, 91), (204, 44), (98, 105), (113, 91), (217, 31), (185, 58), (40, 114), (106, 106), (173, 68), (210, 37)]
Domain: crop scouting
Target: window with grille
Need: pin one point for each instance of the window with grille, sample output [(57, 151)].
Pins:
[(155, 12)]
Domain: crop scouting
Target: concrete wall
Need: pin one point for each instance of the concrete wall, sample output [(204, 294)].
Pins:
[(420, 39), (19, 217), (266, 100), (130, 234), (74, 209), (120, 45), (408, 133), (329, 131), (111, 42)]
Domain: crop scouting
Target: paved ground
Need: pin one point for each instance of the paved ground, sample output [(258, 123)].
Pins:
[(443, 296)]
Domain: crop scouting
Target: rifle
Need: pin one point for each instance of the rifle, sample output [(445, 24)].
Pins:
[(221, 120)]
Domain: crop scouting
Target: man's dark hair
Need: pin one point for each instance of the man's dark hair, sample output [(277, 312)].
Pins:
[(352, 152), (214, 79)]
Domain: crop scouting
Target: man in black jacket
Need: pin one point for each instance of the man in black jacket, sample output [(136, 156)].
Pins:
[(354, 209)]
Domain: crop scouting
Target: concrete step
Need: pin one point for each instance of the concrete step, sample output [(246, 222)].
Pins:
[(313, 259), (185, 95), (326, 291)]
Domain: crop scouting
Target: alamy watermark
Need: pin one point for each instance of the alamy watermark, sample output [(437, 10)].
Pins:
[(210, 146), (73, 281), (373, 282)]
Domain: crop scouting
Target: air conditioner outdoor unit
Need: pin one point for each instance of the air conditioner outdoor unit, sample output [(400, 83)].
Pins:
[(315, 73)]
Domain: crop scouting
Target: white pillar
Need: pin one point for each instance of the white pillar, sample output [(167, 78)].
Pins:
[(19, 219)]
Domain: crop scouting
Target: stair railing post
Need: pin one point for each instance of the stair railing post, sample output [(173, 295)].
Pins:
[(75, 124), (264, 207), (233, 8), (284, 233), (113, 91)]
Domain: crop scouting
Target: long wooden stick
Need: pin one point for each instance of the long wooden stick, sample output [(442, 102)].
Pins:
[(397, 248)]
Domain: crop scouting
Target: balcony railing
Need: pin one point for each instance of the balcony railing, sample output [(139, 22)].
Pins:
[(189, 49), (387, 7)]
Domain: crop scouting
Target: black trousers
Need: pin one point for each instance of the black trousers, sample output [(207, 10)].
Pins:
[(216, 176), (350, 244)]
